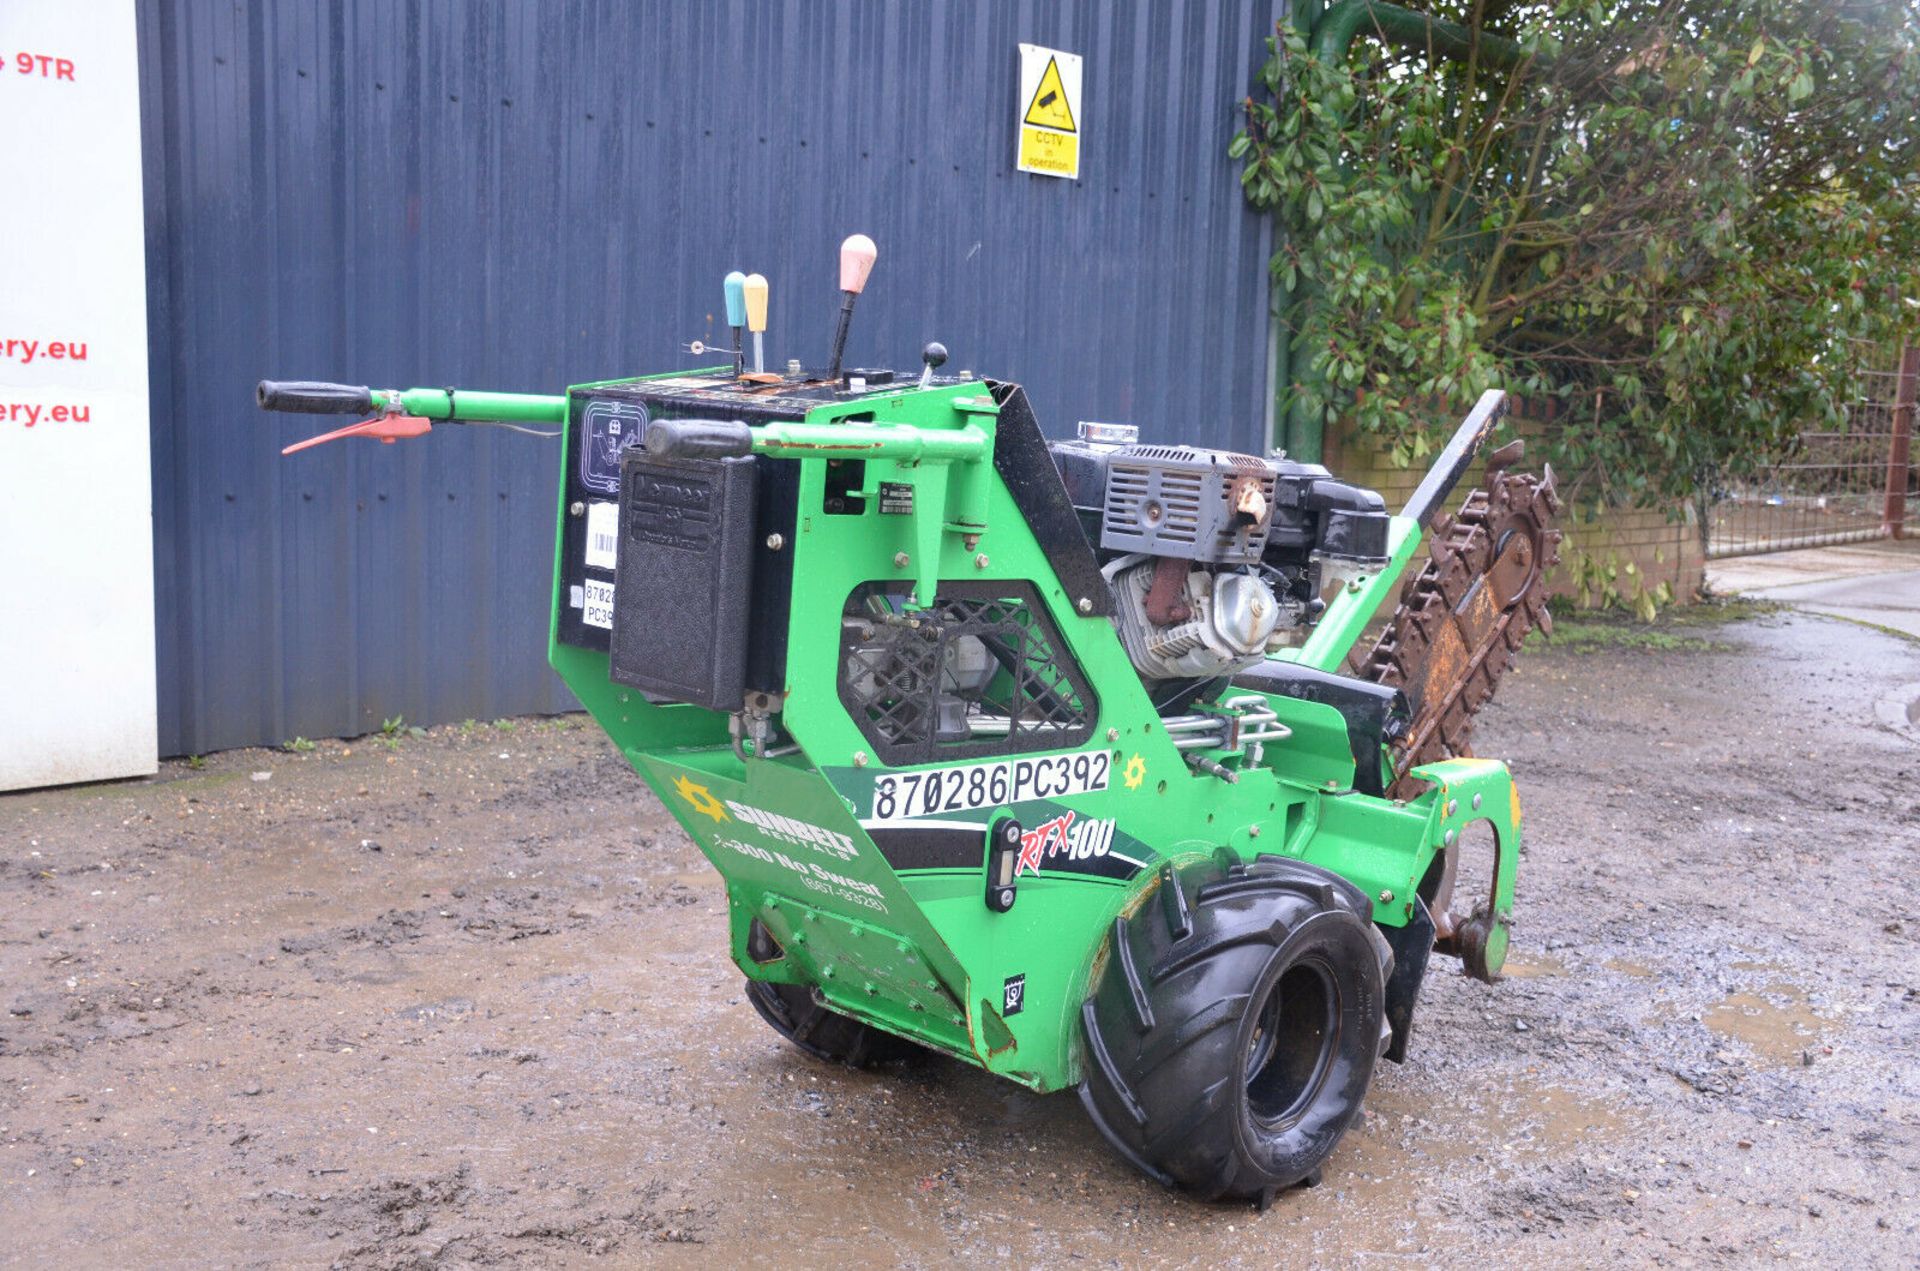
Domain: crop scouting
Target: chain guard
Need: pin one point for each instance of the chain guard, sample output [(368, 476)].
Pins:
[(1463, 616)]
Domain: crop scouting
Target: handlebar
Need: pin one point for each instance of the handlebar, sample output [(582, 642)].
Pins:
[(668, 438), (314, 397), (456, 405), (699, 438), (724, 438)]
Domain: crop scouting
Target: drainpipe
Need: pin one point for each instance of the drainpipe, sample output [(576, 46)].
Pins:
[(1331, 38), (1337, 28)]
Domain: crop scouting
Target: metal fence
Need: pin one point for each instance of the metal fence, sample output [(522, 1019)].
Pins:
[(1841, 485)]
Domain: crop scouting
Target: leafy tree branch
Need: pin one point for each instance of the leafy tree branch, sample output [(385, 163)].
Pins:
[(1684, 221)]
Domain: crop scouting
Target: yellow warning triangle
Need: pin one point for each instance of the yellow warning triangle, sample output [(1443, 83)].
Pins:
[(1049, 107)]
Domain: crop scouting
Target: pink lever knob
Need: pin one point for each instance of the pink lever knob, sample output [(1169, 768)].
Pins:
[(857, 255)]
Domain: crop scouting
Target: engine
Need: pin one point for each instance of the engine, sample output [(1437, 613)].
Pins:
[(1214, 558)]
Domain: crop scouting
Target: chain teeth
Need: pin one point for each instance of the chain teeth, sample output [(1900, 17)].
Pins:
[(1464, 548)]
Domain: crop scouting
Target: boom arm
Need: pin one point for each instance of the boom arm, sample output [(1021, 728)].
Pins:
[(1340, 627)]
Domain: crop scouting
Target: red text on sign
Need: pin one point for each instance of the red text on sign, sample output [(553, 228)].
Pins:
[(26, 352), (43, 66), (31, 413)]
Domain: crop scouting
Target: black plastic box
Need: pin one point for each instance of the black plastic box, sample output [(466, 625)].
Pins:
[(684, 578)]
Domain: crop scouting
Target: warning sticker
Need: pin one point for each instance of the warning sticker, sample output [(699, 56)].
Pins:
[(603, 535), (1049, 107), (1049, 112)]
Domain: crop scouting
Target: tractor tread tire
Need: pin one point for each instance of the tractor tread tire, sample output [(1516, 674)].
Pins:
[(799, 1016), (1185, 991)]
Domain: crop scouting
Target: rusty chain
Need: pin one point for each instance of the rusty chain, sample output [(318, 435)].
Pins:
[(1463, 616)]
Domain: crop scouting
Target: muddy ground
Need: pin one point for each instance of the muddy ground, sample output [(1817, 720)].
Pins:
[(465, 1000)]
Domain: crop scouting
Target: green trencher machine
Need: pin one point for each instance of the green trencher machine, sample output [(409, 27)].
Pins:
[(1044, 755)]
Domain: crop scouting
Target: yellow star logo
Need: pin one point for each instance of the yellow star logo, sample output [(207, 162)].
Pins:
[(701, 798), (1136, 772)]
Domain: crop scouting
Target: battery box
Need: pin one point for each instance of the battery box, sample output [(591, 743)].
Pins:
[(684, 578)]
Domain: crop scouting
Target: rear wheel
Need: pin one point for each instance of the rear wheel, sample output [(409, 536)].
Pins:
[(798, 1014), (1234, 1031), (822, 1031)]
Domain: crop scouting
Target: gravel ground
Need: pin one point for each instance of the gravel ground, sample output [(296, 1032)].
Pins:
[(465, 1001)]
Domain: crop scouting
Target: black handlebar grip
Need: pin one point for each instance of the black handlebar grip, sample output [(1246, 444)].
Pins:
[(699, 438), (308, 397)]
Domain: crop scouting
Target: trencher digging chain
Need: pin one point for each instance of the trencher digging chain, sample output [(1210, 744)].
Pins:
[(1043, 754)]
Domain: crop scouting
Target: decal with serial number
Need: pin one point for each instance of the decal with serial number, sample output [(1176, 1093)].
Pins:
[(596, 609), (896, 498), (903, 796)]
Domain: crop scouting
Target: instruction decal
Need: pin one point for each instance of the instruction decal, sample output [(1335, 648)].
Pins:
[(608, 428), (1049, 104)]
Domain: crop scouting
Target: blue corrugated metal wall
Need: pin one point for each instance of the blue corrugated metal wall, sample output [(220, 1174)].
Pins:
[(526, 195)]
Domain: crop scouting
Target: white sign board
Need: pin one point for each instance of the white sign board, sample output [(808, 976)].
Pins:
[(1049, 105), (76, 493)]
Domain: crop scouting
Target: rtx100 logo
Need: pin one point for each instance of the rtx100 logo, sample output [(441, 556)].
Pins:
[(1064, 838)]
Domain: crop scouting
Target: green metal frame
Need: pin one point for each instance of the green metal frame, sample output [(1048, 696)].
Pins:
[(917, 951)]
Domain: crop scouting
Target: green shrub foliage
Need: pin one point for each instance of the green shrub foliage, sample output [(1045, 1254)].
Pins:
[(1683, 224)]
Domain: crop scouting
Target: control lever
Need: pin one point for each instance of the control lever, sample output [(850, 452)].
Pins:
[(857, 255), (386, 429), (935, 356), (756, 289), (734, 286)]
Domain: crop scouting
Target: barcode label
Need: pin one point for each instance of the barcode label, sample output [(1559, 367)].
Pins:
[(603, 535)]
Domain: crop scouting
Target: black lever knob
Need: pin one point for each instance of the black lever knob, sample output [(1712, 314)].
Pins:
[(934, 355)]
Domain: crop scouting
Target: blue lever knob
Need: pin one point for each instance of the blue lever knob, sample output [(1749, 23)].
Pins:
[(736, 289)]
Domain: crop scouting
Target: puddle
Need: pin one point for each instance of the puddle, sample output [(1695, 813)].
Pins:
[(1775, 1033), (1634, 969), (1532, 967), (1558, 1120), (1900, 710), (1520, 1112)]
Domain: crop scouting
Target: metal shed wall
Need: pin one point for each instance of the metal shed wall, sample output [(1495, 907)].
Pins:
[(522, 196)]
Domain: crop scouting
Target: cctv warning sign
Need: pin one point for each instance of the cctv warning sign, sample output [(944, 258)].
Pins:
[(1049, 112)]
